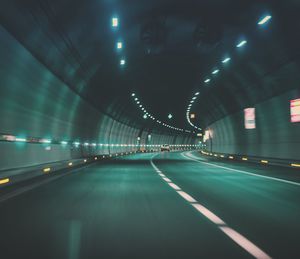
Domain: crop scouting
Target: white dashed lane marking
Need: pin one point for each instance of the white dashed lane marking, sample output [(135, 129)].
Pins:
[(239, 239)]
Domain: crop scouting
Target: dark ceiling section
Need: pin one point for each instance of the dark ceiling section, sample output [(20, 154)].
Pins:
[(268, 66), (169, 46)]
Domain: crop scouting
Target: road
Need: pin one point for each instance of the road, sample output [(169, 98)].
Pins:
[(168, 205)]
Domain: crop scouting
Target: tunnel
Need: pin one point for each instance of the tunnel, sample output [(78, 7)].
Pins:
[(149, 129)]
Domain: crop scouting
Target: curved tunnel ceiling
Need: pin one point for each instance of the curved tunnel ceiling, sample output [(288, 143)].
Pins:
[(169, 47)]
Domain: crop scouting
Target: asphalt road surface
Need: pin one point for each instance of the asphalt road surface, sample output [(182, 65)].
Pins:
[(166, 205)]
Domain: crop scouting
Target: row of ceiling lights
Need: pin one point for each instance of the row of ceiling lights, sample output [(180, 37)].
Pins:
[(242, 43), (147, 115), (12, 138), (119, 45), (189, 109), (115, 24)]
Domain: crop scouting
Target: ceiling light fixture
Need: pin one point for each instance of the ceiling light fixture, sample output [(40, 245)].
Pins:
[(226, 60), (115, 22), (264, 20), (241, 44)]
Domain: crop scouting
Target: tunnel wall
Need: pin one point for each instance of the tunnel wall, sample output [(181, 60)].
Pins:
[(275, 136), (35, 103)]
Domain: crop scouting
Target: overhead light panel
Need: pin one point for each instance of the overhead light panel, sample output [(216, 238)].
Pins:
[(241, 44), (226, 60), (119, 45), (115, 22), (46, 141), (215, 71), (122, 62), (264, 20), (21, 139), (207, 80)]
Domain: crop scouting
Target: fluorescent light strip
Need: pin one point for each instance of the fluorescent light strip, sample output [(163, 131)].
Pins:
[(264, 20), (226, 60), (242, 43)]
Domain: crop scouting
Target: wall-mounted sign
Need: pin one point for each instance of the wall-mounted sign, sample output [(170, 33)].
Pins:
[(249, 115), (295, 110), (207, 135)]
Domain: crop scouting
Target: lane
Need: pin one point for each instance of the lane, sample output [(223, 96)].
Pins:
[(119, 209), (278, 173), (267, 212)]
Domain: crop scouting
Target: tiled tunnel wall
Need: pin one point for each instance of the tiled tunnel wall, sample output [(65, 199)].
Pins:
[(275, 136), (35, 103)]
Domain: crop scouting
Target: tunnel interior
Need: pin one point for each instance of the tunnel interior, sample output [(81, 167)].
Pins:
[(62, 79), (102, 82)]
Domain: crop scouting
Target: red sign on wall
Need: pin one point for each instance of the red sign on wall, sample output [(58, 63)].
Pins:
[(295, 110), (249, 114)]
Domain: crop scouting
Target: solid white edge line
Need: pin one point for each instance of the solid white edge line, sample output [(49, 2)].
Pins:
[(240, 171)]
